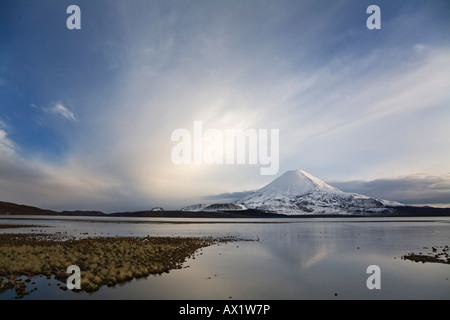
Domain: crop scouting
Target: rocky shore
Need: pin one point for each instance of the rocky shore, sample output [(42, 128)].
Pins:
[(438, 254)]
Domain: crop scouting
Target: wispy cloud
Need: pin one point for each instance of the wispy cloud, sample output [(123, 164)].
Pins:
[(60, 109), (7, 147)]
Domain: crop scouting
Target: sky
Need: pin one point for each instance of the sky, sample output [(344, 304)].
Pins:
[(86, 115)]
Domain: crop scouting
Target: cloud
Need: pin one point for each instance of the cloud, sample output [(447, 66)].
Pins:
[(68, 186), (63, 184), (411, 189), (7, 147), (59, 109), (346, 108), (386, 121)]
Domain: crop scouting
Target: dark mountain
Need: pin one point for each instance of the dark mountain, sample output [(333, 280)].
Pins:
[(8, 208)]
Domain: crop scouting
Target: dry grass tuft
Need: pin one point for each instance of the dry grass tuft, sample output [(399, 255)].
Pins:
[(103, 261)]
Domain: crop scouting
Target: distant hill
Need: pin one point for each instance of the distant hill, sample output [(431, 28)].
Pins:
[(8, 208)]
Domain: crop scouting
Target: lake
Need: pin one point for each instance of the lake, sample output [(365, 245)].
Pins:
[(305, 258)]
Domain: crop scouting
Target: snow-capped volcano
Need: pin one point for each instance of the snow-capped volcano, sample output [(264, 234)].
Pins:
[(298, 192)]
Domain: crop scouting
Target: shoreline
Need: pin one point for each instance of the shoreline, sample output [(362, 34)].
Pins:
[(216, 220), (16, 226)]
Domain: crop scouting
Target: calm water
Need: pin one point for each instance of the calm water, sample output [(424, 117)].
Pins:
[(306, 258)]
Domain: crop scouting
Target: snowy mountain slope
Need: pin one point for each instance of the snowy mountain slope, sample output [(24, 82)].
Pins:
[(194, 207), (298, 192), (214, 207)]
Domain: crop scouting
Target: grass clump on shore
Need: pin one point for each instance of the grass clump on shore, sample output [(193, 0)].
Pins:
[(103, 261)]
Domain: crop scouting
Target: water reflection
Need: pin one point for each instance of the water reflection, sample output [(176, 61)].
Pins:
[(302, 259)]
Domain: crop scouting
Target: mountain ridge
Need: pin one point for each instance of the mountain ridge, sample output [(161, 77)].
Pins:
[(10, 210), (296, 193)]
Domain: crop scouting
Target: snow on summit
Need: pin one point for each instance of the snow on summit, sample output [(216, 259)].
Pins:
[(294, 183)]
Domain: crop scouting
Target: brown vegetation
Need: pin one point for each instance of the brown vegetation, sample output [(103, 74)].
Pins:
[(103, 261)]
